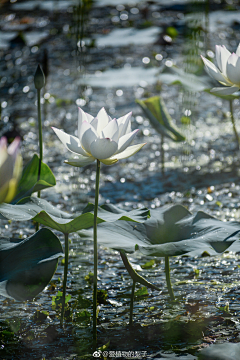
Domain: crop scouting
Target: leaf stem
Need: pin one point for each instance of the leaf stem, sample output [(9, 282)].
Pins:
[(233, 123), (95, 258), (167, 273), (64, 278), (131, 304)]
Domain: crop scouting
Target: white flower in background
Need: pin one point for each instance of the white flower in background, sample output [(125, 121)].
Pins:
[(101, 138), (10, 169), (228, 71)]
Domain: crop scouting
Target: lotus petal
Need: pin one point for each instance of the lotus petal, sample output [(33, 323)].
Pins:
[(103, 148), (81, 161), (124, 124), (131, 150), (222, 55), (233, 69), (225, 90), (87, 136), (111, 130), (212, 70), (83, 116), (126, 140), (238, 50), (103, 120), (72, 143)]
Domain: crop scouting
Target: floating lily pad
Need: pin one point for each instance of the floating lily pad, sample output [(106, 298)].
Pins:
[(27, 266), (30, 183), (43, 212), (170, 231)]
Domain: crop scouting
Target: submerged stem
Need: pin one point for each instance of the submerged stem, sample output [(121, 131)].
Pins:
[(95, 257), (64, 278), (167, 273), (131, 304), (233, 123)]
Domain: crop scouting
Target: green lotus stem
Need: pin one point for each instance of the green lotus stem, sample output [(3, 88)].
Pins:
[(233, 123), (64, 278), (162, 154), (95, 258), (131, 304), (40, 141), (167, 273), (40, 133)]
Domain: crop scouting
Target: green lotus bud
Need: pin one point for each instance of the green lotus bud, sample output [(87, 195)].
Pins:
[(39, 78), (10, 169)]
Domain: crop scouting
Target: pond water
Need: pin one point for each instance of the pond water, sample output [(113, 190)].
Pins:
[(110, 53)]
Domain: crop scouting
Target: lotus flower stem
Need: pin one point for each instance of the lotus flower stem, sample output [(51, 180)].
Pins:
[(40, 134), (64, 278), (95, 257), (40, 141), (162, 154), (167, 272), (131, 304), (233, 123)]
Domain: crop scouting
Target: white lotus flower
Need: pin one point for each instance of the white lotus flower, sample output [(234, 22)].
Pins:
[(10, 169), (101, 138), (228, 71)]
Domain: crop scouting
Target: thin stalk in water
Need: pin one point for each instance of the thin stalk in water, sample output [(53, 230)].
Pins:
[(95, 258), (64, 278), (167, 273), (131, 304), (233, 123)]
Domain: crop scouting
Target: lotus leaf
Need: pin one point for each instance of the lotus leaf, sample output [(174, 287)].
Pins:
[(30, 182), (155, 110), (170, 231), (40, 210), (27, 266)]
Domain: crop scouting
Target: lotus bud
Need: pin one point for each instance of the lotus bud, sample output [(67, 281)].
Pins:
[(39, 78)]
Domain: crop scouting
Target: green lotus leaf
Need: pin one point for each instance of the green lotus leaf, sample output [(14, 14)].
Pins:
[(27, 266), (155, 110), (170, 231), (189, 82), (43, 212), (30, 182)]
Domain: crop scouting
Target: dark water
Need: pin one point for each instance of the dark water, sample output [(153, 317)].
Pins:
[(108, 53)]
